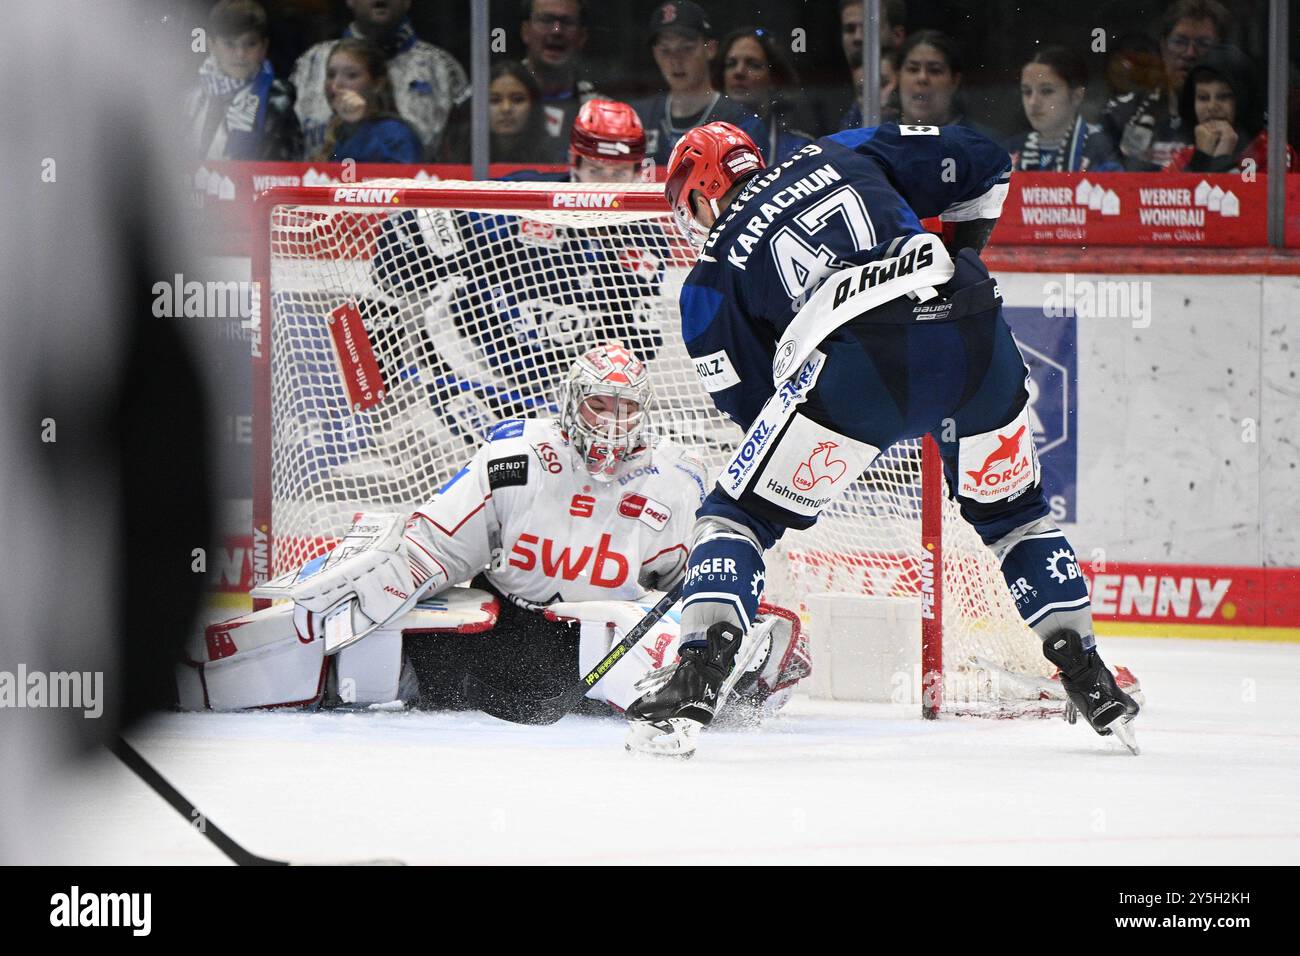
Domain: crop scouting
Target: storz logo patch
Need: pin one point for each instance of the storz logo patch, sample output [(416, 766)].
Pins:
[(744, 459), (504, 472), (651, 512)]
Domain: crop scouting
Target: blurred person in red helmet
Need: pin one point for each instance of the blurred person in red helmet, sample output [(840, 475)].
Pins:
[(607, 144)]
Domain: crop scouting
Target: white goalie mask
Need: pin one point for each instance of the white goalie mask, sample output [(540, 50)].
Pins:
[(605, 410)]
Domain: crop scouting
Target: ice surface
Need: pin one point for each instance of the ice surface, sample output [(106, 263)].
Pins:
[(1218, 782)]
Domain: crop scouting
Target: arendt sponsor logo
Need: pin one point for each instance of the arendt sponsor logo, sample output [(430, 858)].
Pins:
[(819, 467), (1005, 467), (584, 201), (604, 567), (366, 194), (749, 451)]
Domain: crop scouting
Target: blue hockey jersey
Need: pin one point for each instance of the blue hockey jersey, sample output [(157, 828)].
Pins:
[(838, 202)]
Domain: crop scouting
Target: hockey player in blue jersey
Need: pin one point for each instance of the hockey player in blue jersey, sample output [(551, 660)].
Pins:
[(826, 322)]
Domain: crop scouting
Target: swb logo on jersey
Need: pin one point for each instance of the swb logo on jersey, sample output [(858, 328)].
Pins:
[(999, 464)]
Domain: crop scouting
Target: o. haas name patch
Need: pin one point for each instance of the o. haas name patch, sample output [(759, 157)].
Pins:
[(504, 472), (651, 512)]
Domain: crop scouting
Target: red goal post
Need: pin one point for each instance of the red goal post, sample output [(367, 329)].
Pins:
[(373, 379)]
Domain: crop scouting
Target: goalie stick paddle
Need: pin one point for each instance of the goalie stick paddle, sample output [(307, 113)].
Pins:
[(222, 840), (550, 709)]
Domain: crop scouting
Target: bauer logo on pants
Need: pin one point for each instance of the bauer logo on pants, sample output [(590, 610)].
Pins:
[(1000, 464)]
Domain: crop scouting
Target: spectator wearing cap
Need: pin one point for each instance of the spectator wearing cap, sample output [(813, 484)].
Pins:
[(756, 74), (1149, 127), (893, 30), (239, 110), (554, 33), (428, 82), (684, 44), (1222, 96)]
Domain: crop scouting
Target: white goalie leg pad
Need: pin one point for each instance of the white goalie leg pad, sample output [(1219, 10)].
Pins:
[(370, 671), (603, 624), (269, 658)]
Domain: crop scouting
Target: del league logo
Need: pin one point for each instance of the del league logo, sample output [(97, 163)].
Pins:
[(653, 513)]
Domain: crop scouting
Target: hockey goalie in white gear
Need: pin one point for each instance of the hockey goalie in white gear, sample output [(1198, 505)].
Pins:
[(566, 527)]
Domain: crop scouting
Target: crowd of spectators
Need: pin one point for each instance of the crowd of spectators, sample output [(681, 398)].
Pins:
[(1180, 97)]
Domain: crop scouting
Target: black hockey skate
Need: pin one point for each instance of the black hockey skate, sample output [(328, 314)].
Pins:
[(667, 719), (1091, 688)]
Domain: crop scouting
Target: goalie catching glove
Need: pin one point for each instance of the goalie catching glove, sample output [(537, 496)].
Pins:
[(369, 569)]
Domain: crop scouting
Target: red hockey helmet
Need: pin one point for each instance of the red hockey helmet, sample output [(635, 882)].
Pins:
[(708, 160), (608, 131)]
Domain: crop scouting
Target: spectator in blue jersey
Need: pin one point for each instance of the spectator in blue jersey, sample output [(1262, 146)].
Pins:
[(755, 73), (365, 127), (554, 33), (239, 110), (516, 123), (1052, 87), (684, 44), (428, 82)]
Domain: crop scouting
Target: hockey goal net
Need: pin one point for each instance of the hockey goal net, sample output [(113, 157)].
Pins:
[(403, 319)]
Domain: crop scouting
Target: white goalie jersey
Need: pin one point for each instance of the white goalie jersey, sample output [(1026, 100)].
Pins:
[(526, 509)]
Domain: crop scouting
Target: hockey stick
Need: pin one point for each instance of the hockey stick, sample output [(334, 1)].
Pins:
[(222, 840), (550, 709)]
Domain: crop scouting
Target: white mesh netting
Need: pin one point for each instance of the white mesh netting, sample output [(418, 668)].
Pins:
[(398, 337)]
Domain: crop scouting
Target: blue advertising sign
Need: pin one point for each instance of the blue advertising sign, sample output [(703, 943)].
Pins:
[(1049, 345)]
